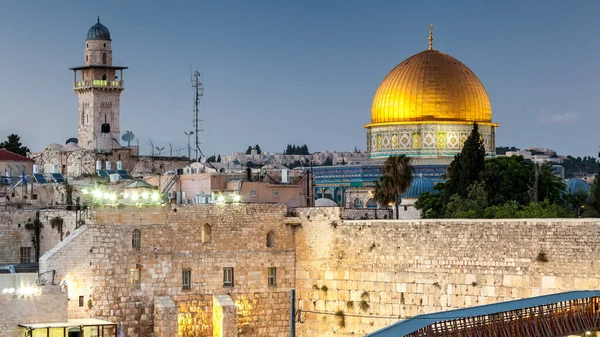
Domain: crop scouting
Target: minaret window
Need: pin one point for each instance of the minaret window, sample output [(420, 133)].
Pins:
[(86, 58), (104, 58)]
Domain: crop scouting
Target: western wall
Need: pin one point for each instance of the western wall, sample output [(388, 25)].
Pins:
[(351, 276)]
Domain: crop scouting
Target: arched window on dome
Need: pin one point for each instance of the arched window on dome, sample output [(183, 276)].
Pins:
[(136, 239), (371, 203), (104, 58), (271, 239), (358, 203), (206, 233)]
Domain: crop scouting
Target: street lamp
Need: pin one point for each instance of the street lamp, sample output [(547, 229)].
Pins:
[(188, 134)]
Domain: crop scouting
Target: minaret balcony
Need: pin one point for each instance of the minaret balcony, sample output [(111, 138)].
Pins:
[(98, 84)]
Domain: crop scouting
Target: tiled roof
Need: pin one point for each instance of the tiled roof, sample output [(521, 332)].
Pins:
[(6, 155)]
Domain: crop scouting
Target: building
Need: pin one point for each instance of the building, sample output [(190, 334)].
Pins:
[(424, 108), (98, 85)]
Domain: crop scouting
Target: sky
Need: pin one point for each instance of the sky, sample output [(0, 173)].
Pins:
[(298, 72)]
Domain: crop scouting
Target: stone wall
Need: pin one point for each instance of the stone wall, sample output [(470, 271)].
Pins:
[(14, 235), (383, 271), (97, 260), (48, 306)]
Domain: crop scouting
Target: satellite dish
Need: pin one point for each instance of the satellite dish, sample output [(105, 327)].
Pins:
[(72, 140), (128, 137)]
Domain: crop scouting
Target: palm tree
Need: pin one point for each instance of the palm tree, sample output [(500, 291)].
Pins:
[(396, 179)]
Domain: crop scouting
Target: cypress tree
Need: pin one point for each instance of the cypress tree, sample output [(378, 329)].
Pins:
[(467, 165)]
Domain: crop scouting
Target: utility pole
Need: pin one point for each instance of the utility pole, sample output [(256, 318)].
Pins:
[(198, 92), (188, 134)]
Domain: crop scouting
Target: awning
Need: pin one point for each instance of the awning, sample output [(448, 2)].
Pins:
[(72, 323)]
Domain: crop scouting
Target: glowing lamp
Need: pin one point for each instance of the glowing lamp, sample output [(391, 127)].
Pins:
[(236, 198)]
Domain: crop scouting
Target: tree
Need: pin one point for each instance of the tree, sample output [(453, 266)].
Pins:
[(467, 165), (219, 158), (211, 159), (506, 178), (249, 150), (432, 205), (471, 207), (57, 223), (383, 195), (549, 186), (13, 144), (257, 148), (327, 162), (397, 175)]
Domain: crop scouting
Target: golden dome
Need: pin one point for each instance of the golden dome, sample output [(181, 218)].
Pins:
[(431, 87)]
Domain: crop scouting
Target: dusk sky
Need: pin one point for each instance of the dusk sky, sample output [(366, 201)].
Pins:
[(295, 72)]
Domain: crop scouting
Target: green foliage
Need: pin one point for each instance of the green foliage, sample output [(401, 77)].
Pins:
[(327, 162), (13, 144), (257, 148), (578, 166), (57, 223), (324, 288), (501, 150), (432, 205), (397, 175), (594, 201), (363, 305), (466, 167), (36, 226), (211, 159), (296, 149), (350, 305), (541, 257), (219, 158), (507, 179), (249, 150), (550, 186), (341, 318), (507, 210), (471, 207)]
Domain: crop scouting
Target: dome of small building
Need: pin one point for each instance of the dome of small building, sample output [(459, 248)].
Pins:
[(98, 32), (325, 202), (419, 185), (578, 186)]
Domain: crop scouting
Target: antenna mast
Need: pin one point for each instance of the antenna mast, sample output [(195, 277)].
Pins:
[(198, 92)]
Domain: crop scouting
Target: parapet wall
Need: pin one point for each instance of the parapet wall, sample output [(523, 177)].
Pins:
[(383, 271), (97, 260)]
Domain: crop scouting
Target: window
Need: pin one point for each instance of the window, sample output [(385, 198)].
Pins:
[(104, 58), (228, 277), (406, 208), (206, 233), (104, 77), (26, 255), (80, 301), (252, 193), (34, 196), (186, 279), (86, 58), (135, 278), (136, 239), (105, 45), (275, 193), (272, 276), (271, 239)]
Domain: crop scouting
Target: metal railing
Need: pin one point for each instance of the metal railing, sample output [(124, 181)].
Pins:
[(550, 320), (98, 83)]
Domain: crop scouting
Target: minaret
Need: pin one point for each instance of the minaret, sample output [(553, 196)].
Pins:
[(98, 85)]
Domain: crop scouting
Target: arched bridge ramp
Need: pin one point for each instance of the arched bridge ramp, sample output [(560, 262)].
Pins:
[(555, 315)]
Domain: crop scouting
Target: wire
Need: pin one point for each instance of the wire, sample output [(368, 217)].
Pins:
[(348, 315)]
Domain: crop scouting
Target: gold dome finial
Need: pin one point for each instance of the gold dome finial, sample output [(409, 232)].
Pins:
[(431, 36)]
